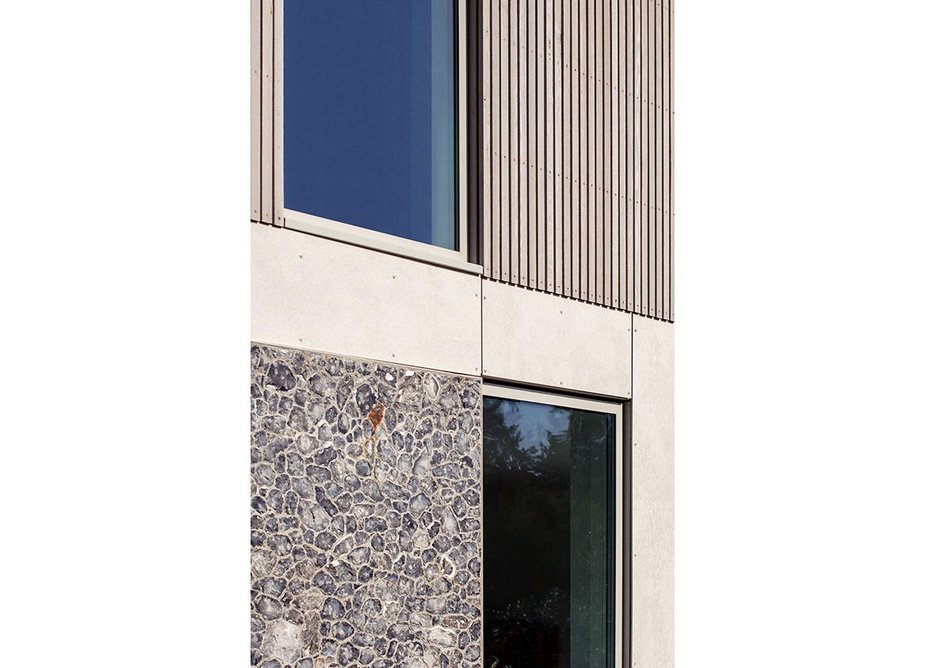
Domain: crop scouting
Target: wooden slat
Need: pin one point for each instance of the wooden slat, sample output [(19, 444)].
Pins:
[(600, 146), (663, 159), (550, 219), (267, 111), (277, 91), (568, 184), (650, 271), (668, 152), (541, 227), (583, 124), (640, 177), (514, 213), (576, 131), (647, 208), (615, 204), (591, 145), (576, 127), (623, 64), (652, 135), (533, 177), (487, 177), (606, 128), (496, 141), (630, 154), (557, 83), (505, 139), (659, 162), (524, 175), (469, 201), (256, 109), (637, 132)]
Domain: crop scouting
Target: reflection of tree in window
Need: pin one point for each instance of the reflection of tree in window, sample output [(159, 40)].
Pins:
[(546, 523)]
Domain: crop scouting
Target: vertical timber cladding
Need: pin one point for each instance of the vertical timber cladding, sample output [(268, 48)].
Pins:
[(575, 140), (365, 513)]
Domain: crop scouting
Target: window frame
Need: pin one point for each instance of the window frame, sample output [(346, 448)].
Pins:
[(272, 11), (623, 571)]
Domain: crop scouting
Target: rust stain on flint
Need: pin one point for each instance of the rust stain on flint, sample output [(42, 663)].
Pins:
[(375, 417)]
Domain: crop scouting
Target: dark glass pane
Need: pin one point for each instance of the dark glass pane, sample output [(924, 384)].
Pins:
[(549, 486), (369, 115)]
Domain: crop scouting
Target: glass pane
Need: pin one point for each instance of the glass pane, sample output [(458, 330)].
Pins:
[(549, 532), (369, 115)]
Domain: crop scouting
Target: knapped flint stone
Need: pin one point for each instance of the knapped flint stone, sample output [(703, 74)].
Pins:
[(273, 586), (332, 609), (325, 540), (317, 474), (303, 487), (320, 385), (280, 544), (364, 399), (471, 524), (269, 607), (359, 555), (342, 630), (315, 412), (442, 637), (351, 596), (290, 503), (282, 641), (264, 475), (375, 525), (274, 424), (346, 654), (419, 503), (344, 502), (325, 456), (400, 632), (342, 423), (280, 377), (343, 391)]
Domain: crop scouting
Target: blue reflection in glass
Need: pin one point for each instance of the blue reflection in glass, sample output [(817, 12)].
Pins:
[(369, 115)]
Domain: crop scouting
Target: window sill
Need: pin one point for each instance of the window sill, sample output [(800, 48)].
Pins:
[(378, 241)]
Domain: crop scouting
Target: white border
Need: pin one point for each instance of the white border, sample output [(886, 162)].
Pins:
[(596, 406), (360, 236)]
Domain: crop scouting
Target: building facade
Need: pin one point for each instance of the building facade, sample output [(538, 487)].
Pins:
[(462, 333)]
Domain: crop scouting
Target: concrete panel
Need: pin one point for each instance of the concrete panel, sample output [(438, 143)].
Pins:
[(317, 294), (540, 339), (653, 494)]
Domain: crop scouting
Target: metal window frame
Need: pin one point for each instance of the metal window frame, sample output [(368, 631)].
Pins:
[(267, 167), (623, 574)]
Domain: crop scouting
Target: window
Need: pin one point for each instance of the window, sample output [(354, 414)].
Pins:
[(370, 126), (552, 571)]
